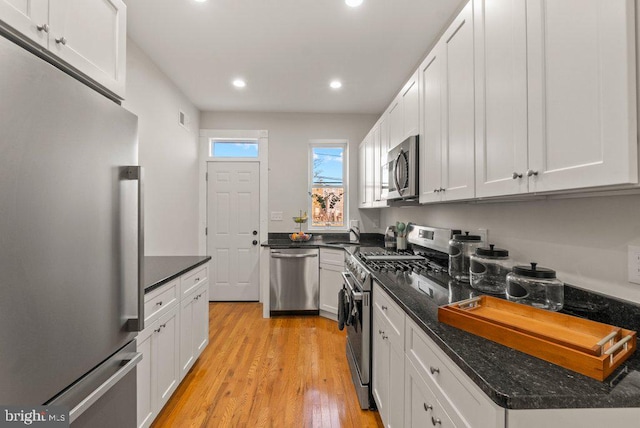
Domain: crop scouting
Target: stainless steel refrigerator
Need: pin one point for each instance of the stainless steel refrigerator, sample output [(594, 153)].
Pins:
[(71, 244)]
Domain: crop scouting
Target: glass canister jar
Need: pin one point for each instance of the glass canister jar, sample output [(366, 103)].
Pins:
[(488, 269), (460, 249), (535, 286)]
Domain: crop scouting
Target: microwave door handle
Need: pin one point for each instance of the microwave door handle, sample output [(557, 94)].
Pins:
[(396, 169)]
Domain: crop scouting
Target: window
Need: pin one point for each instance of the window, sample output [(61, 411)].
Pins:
[(233, 148), (328, 185)]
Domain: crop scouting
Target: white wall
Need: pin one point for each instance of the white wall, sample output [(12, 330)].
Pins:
[(169, 154), (585, 240), (289, 135)]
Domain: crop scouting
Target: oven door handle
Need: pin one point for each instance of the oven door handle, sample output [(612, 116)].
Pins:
[(356, 295)]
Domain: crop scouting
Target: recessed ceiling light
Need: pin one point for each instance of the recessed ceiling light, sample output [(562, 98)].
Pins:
[(335, 84), (200, 1), (353, 3), (239, 83)]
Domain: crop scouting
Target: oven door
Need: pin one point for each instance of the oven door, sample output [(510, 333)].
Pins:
[(359, 327)]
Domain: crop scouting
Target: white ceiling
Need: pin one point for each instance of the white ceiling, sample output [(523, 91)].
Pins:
[(288, 50)]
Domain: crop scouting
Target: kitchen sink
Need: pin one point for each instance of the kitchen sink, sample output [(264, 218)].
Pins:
[(342, 243)]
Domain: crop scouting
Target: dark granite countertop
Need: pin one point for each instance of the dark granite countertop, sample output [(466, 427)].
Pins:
[(326, 240), (159, 270), (515, 380)]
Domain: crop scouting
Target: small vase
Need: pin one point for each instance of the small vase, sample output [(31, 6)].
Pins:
[(401, 242)]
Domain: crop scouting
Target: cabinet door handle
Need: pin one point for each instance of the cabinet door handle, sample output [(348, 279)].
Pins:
[(427, 407), (531, 173), (435, 421), (61, 41), (384, 308), (515, 176), (384, 337), (157, 330), (163, 325), (197, 279), (43, 27), (159, 303), (379, 331), (436, 190), (442, 189), (434, 370)]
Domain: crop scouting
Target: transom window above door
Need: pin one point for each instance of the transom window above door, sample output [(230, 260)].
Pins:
[(230, 148), (328, 185)]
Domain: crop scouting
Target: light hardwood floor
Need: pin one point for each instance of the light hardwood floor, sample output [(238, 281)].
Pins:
[(279, 372)]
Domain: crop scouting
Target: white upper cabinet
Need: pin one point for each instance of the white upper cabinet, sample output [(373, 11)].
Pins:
[(501, 97), (91, 36), (582, 93), (411, 107), (396, 122), (27, 17), (431, 125), (365, 172), (447, 115), (377, 164), (88, 35)]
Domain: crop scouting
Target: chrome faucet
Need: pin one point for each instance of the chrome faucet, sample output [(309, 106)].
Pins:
[(356, 232)]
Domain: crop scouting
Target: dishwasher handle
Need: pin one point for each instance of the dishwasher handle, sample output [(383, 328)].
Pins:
[(291, 256)]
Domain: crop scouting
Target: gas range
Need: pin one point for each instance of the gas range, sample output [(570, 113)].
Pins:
[(424, 266)]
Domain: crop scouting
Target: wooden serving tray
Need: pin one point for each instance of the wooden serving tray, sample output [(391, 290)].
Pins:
[(588, 347)]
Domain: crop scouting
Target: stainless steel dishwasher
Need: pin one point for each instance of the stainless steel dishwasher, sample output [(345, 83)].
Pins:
[(294, 281)]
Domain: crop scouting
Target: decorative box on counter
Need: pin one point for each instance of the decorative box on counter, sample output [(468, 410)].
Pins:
[(588, 347)]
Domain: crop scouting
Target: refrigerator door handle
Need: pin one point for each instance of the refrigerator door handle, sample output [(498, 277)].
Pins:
[(104, 388), (135, 173)]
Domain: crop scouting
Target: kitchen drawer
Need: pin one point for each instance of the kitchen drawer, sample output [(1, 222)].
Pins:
[(191, 280), (333, 257), (457, 394), (422, 408), (392, 314), (159, 300)]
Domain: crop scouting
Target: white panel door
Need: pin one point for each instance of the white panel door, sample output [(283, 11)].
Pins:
[(582, 93), (233, 219), (94, 33), (377, 165), (431, 125), (166, 353), (28, 17), (396, 123), (501, 97), (458, 157), (380, 365)]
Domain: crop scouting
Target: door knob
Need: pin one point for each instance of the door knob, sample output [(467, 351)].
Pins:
[(255, 242), (255, 232)]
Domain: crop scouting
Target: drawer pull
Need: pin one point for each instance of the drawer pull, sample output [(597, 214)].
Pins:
[(157, 330), (434, 370), (427, 407), (163, 325), (435, 421), (159, 303), (197, 279), (384, 337), (384, 308)]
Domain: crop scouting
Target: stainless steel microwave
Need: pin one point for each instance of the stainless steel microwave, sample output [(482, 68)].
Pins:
[(402, 164)]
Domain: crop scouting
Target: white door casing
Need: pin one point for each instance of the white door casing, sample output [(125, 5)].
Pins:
[(233, 219)]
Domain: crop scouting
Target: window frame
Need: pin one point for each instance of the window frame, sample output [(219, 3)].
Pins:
[(333, 143)]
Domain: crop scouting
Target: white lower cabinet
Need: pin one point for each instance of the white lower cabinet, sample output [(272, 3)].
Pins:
[(331, 268), (158, 373), (421, 406), (194, 327), (388, 359), (176, 333)]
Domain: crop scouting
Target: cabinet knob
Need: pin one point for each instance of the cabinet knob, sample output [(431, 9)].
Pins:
[(163, 325), (427, 407), (157, 330), (159, 303), (531, 173), (379, 331), (442, 189), (61, 41), (384, 337), (435, 421), (43, 27), (436, 190), (515, 175), (255, 232), (384, 308), (434, 370), (255, 242)]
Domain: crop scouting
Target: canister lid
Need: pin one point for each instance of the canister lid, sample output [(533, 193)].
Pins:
[(491, 251), (467, 237), (534, 271)]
